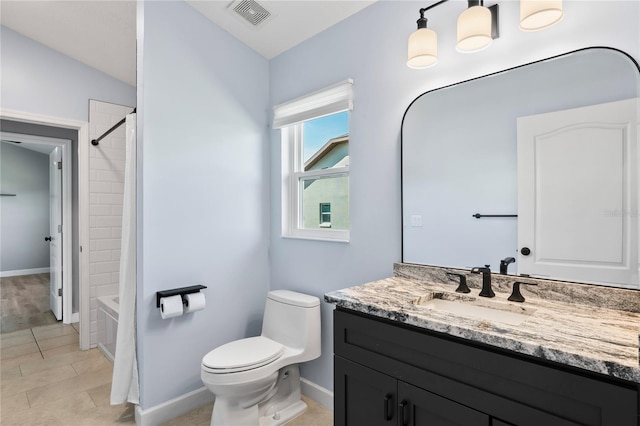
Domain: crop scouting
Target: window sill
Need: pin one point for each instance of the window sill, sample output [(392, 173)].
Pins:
[(330, 240)]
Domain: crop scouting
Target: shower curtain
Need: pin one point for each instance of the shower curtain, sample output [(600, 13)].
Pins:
[(124, 385)]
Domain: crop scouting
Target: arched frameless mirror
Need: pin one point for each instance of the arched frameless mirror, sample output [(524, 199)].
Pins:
[(551, 148)]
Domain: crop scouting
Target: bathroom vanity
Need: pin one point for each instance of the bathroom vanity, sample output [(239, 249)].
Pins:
[(563, 357), (523, 174)]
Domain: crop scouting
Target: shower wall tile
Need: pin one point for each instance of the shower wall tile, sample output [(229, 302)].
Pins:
[(106, 183)]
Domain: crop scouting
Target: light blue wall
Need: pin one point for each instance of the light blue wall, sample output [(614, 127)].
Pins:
[(40, 80), (205, 193), (24, 219), (370, 47)]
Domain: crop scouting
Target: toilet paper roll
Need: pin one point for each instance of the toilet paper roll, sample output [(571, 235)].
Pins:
[(171, 307), (194, 302)]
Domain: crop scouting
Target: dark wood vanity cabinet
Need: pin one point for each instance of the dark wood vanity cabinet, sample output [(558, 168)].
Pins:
[(387, 373), (366, 397)]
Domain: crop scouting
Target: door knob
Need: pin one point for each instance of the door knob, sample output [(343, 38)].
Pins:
[(47, 238), (525, 251)]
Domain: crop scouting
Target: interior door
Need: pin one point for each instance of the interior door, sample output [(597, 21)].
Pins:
[(578, 194), (55, 232)]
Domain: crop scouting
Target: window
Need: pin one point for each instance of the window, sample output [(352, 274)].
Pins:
[(325, 215), (315, 164)]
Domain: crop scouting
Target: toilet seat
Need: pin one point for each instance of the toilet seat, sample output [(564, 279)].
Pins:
[(242, 355)]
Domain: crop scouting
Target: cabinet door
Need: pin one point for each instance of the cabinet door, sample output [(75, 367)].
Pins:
[(496, 422), (421, 408), (363, 396)]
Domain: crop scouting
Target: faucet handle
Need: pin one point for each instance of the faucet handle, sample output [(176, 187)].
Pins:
[(480, 269), (504, 264), (516, 296), (462, 282)]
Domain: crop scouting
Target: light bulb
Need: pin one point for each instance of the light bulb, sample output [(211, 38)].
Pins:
[(423, 49), (539, 14), (474, 29)]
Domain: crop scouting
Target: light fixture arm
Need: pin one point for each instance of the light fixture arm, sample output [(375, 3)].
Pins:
[(424, 9), (422, 22)]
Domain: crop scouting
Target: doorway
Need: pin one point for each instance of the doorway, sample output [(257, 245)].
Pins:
[(43, 125), (37, 231)]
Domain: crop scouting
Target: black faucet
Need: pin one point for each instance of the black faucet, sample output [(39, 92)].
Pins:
[(516, 296), (462, 282), (504, 264), (486, 280)]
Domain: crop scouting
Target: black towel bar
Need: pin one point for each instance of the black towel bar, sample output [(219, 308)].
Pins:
[(478, 215)]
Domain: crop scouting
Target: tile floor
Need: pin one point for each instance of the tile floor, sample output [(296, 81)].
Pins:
[(46, 380), (24, 302)]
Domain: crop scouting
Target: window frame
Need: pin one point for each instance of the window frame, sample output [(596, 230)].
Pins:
[(290, 117), (292, 190)]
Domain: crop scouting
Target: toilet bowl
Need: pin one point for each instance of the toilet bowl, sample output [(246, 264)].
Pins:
[(256, 380)]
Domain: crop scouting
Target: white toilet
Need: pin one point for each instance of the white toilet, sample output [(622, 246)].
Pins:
[(256, 380)]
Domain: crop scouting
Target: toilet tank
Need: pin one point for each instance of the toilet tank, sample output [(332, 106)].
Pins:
[(293, 319)]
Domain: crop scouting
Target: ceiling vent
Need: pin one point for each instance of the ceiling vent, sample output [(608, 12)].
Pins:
[(251, 11)]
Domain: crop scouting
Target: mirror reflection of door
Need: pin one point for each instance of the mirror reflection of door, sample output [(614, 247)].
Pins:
[(578, 193), (55, 231), (459, 157)]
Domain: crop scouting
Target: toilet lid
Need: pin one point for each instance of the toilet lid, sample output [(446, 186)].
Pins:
[(243, 355)]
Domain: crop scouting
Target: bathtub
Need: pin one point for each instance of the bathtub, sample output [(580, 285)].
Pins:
[(108, 307)]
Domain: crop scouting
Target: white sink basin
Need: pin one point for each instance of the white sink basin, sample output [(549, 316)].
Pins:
[(471, 307)]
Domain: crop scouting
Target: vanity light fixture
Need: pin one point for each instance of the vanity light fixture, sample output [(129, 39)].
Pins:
[(423, 46), (539, 14), (477, 27)]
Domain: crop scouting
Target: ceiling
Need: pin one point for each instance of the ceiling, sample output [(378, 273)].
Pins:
[(291, 22), (37, 147), (102, 34)]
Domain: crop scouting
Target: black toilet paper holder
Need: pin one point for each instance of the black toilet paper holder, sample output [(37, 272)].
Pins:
[(177, 291)]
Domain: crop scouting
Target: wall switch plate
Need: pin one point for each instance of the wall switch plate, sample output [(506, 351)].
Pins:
[(416, 220)]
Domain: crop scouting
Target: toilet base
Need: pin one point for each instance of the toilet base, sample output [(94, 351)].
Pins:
[(270, 402), (246, 417), (285, 415)]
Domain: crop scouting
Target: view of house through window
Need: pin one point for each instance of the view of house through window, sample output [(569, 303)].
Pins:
[(325, 215), (324, 197)]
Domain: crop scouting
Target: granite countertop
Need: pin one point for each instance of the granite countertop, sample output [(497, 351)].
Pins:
[(567, 323)]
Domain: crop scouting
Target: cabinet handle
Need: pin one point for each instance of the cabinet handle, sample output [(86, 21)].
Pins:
[(388, 404), (404, 409)]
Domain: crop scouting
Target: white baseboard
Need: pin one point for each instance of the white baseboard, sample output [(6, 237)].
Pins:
[(316, 392), (75, 317), (19, 272), (190, 401), (173, 408)]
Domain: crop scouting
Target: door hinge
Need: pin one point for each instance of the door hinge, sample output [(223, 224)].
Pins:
[(59, 229), (59, 165), (60, 292)]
